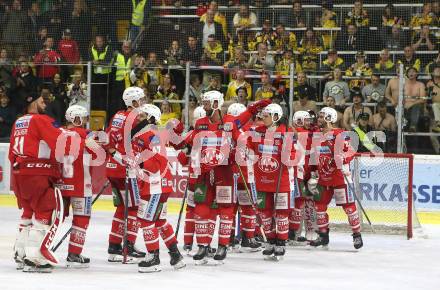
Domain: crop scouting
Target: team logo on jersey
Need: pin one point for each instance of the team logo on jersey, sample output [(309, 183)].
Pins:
[(326, 164), (117, 123), (22, 123), (268, 164), (212, 156)]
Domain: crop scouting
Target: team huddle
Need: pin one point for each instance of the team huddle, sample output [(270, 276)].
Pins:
[(248, 161)]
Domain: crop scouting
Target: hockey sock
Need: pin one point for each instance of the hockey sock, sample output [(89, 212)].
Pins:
[(117, 230), (282, 221), (151, 235), (166, 232), (248, 221), (225, 229), (295, 215), (266, 219), (132, 225), (322, 217), (189, 226), (353, 217), (78, 234)]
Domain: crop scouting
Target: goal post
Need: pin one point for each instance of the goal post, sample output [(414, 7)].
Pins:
[(383, 183)]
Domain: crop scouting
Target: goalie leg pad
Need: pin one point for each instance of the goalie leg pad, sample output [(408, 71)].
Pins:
[(149, 209), (20, 241), (248, 221), (353, 217), (190, 198), (81, 206), (151, 235), (78, 234), (189, 226), (166, 232)]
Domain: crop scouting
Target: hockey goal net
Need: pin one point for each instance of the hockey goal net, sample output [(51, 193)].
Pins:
[(383, 184)]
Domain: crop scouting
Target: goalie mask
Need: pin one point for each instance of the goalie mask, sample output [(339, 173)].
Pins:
[(133, 94), (329, 115), (151, 111), (300, 117), (209, 100), (236, 109), (74, 112)]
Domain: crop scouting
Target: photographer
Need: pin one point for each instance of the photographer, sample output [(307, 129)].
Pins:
[(77, 91)]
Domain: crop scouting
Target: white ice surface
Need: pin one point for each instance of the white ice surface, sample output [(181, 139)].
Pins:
[(385, 262)]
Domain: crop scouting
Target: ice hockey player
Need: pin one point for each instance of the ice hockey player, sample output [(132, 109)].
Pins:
[(303, 199), (331, 177), (274, 202), (155, 182), (116, 172), (245, 194), (34, 173), (189, 227), (211, 149), (76, 184)]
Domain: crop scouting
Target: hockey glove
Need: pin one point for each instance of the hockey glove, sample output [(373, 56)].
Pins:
[(257, 106)]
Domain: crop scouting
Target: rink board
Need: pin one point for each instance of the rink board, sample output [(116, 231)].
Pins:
[(337, 215)]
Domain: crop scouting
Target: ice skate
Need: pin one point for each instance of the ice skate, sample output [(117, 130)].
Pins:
[(201, 256), (321, 241), (249, 245), (151, 263), (357, 241), (220, 255), (77, 261), (176, 259)]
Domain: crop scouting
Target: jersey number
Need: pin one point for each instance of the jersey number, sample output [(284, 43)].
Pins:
[(18, 145), (68, 166)]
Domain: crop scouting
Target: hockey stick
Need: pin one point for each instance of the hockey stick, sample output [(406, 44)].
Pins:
[(68, 232), (359, 202), (125, 236), (181, 209)]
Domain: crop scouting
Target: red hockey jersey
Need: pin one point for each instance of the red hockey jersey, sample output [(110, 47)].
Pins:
[(335, 154), (155, 176), (76, 177), (268, 146), (33, 136), (119, 139)]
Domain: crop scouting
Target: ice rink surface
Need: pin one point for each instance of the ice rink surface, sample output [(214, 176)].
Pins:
[(384, 263)]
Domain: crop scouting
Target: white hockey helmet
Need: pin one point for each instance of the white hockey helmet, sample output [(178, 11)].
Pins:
[(330, 115), (272, 110), (211, 97), (236, 109), (151, 111), (75, 111), (299, 117), (132, 94), (199, 113)]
